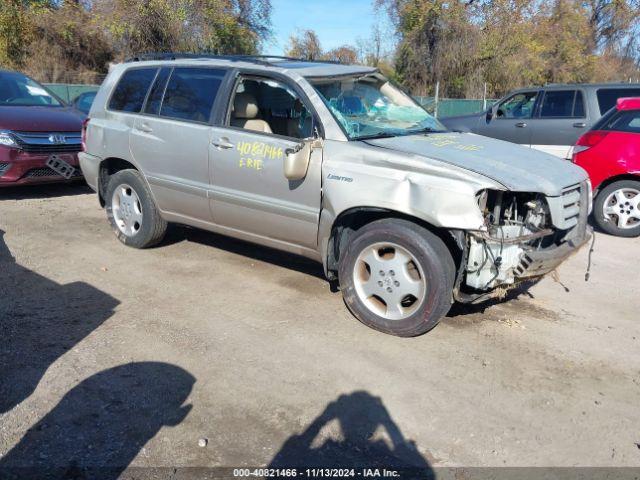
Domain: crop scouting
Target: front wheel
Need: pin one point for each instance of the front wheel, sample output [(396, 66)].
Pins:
[(616, 209), (397, 277), (132, 212)]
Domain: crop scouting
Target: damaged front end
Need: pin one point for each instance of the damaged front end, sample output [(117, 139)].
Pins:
[(526, 235)]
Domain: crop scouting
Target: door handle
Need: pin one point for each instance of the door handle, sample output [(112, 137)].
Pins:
[(144, 128), (579, 125), (223, 143), (521, 124)]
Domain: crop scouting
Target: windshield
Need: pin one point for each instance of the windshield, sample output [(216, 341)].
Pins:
[(369, 107), (19, 90)]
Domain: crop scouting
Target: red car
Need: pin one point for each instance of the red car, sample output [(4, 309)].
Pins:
[(39, 135), (610, 153)]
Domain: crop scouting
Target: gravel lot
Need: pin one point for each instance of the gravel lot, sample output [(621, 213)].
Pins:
[(112, 356)]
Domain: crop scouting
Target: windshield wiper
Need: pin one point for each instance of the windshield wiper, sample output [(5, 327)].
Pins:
[(426, 130), (378, 135)]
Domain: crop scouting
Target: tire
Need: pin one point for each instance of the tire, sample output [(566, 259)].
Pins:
[(132, 213), (609, 203), (369, 272)]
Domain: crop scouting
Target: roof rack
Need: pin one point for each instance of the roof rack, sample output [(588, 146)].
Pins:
[(267, 60)]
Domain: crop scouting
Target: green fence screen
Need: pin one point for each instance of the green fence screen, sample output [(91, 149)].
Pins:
[(68, 92), (450, 107)]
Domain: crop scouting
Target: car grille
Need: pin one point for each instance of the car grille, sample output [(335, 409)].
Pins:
[(49, 142), (51, 148), (4, 167), (570, 206), (47, 172)]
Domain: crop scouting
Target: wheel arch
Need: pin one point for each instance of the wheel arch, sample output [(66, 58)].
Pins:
[(635, 176), (108, 167), (349, 221)]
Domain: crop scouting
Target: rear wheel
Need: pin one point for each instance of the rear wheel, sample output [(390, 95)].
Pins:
[(617, 208), (132, 212), (397, 277)]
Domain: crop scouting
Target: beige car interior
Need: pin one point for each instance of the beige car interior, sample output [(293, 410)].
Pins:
[(269, 106), (245, 113)]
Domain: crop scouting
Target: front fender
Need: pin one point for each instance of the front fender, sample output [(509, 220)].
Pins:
[(439, 194)]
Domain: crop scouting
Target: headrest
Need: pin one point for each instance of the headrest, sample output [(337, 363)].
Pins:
[(245, 106)]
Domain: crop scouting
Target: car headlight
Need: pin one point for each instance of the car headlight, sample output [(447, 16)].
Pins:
[(7, 139)]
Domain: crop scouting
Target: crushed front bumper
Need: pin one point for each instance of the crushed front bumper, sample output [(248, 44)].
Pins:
[(540, 262), (493, 267)]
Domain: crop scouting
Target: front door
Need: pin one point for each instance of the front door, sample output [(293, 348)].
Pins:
[(249, 192), (511, 119)]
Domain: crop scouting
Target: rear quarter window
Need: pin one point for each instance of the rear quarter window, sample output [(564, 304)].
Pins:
[(625, 121), (607, 97), (132, 89)]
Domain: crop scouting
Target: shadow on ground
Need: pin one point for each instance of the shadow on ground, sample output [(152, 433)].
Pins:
[(250, 250), (101, 425), (40, 320), (361, 434), (52, 190)]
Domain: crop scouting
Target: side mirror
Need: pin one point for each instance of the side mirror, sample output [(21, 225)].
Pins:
[(489, 114), (296, 160)]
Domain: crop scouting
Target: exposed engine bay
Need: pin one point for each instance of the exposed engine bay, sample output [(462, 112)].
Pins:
[(516, 224)]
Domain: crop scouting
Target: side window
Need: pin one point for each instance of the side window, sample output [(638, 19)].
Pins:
[(625, 121), (190, 93), (558, 104), (269, 106), (607, 97), (131, 90), (519, 105), (157, 92)]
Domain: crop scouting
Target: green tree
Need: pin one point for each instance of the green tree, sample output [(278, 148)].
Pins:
[(304, 44), (15, 32)]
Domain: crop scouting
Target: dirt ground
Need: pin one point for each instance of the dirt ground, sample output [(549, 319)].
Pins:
[(113, 356)]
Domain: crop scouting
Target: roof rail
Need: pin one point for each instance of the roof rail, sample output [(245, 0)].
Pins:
[(260, 59)]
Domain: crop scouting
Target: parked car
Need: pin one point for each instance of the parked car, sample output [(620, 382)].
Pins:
[(549, 118), (39, 134), (334, 163), (83, 102), (610, 153)]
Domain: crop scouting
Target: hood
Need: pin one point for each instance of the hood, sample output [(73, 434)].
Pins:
[(520, 169), (40, 119)]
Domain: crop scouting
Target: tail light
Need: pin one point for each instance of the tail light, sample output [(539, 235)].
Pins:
[(588, 140), (85, 125)]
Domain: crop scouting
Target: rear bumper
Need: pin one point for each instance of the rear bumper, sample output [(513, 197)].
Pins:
[(21, 168), (90, 166)]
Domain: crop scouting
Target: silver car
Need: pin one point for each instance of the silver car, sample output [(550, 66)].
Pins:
[(335, 163)]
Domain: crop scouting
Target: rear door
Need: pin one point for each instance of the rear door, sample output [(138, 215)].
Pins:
[(511, 119), (170, 139), (560, 120)]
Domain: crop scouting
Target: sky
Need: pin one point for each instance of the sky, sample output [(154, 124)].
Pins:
[(337, 22)]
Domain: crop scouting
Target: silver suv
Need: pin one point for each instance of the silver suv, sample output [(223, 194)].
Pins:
[(335, 163)]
